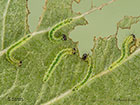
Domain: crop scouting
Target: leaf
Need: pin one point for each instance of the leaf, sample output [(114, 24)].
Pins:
[(56, 11), (127, 21), (107, 88), (24, 85), (13, 17), (16, 82), (105, 52)]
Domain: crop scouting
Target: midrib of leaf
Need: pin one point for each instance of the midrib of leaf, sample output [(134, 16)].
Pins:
[(3, 51), (3, 23), (91, 79)]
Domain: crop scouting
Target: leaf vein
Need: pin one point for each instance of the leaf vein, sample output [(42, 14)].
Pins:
[(3, 23), (12, 88)]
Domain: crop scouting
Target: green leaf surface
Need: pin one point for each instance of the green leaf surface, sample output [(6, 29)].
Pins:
[(119, 87), (24, 85), (56, 11), (13, 17), (105, 52), (127, 21)]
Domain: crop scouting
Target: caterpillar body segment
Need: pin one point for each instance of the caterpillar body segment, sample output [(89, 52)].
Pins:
[(56, 27), (129, 42), (13, 47), (89, 72), (57, 60)]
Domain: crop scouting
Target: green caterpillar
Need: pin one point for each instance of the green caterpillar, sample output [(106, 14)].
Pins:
[(90, 68), (14, 47), (57, 27), (128, 43), (56, 61)]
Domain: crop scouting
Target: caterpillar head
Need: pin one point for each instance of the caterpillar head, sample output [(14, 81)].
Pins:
[(74, 51), (84, 57), (131, 40), (64, 37), (20, 63)]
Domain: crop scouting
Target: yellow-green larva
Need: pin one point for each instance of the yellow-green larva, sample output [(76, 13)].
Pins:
[(90, 68), (14, 47), (56, 27), (129, 42), (56, 61)]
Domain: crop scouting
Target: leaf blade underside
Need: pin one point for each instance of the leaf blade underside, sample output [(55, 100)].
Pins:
[(26, 82)]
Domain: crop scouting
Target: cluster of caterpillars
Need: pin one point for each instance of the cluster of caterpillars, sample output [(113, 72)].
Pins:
[(129, 42), (23, 40), (58, 57)]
